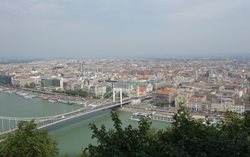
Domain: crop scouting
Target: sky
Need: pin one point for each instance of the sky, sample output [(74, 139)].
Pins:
[(124, 28)]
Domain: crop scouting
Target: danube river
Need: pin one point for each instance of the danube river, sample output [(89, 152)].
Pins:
[(71, 138)]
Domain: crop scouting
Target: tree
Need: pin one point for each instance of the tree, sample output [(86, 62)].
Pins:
[(119, 142), (77, 93), (28, 141), (186, 138), (31, 85), (190, 137)]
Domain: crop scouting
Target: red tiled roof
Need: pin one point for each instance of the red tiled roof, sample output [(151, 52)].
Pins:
[(165, 91)]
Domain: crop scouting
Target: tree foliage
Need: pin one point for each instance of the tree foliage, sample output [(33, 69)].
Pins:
[(186, 138), (31, 85), (77, 93), (28, 141), (121, 142)]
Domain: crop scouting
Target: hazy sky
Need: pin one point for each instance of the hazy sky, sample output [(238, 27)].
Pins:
[(124, 28)]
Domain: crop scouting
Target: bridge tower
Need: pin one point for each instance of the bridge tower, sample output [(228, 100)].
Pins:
[(114, 93), (121, 96)]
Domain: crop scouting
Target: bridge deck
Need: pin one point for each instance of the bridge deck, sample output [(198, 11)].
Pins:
[(43, 122), (48, 121)]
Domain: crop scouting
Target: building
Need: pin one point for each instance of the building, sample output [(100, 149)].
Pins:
[(158, 84), (5, 79), (36, 80), (199, 106), (198, 103), (181, 100), (164, 97), (240, 109), (97, 90), (134, 88), (221, 107), (76, 86), (21, 81), (15, 82), (50, 82), (225, 104)]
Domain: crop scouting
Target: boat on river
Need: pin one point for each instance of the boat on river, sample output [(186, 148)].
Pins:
[(137, 116), (62, 101), (27, 97), (52, 101)]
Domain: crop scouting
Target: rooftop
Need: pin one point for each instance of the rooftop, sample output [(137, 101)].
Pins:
[(165, 91)]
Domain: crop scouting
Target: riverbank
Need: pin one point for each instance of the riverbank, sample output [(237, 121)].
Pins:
[(74, 136), (13, 105), (49, 96), (154, 115)]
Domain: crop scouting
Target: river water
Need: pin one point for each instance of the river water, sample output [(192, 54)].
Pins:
[(71, 138)]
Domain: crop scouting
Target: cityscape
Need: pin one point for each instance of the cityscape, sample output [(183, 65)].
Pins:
[(153, 88), (134, 78), (208, 86)]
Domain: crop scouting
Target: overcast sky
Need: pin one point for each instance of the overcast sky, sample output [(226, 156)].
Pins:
[(124, 28)]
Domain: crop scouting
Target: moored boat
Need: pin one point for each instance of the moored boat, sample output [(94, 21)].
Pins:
[(137, 116), (62, 101), (27, 97), (52, 101)]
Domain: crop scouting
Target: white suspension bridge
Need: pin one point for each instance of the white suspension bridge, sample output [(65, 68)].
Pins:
[(9, 124)]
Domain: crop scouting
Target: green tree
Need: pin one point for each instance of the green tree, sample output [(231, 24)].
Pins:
[(28, 141), (31, 85), (191, 138), (77, 93), (119, 142), (186, 138)]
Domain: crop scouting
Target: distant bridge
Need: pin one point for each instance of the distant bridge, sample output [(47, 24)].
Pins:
[(44, 122)]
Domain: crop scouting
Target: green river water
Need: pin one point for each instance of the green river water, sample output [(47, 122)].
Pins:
[(71, 138)]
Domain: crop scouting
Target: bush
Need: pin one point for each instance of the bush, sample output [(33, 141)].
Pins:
[(28, 141), (186, 138)]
